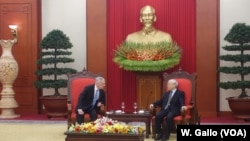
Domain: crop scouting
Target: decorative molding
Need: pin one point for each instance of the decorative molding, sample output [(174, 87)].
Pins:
[(23, 7)]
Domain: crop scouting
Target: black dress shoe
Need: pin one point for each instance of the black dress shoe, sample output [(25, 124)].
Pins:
[(158, 137), (173, 131), (164, 138)]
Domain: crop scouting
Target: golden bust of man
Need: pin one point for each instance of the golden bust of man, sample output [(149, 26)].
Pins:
[(148, 34)]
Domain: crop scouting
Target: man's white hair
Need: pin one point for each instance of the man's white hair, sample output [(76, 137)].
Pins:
[(173, 81), (99, 79)]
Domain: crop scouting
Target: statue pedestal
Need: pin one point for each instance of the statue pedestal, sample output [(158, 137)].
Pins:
[(8, 74), (149, 88)]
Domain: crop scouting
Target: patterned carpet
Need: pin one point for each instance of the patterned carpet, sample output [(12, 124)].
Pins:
[(38, 130)]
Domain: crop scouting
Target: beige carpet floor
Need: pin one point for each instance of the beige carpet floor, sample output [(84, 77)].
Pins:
[(37, 131)]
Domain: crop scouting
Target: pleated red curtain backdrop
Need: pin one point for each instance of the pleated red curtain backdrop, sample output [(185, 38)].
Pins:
[(176, 17)]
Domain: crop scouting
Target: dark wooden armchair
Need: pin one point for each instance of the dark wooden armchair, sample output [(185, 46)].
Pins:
[(186, 83), (76, 83)]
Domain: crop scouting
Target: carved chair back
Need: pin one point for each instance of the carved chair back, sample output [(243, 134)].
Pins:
[(186, 83)]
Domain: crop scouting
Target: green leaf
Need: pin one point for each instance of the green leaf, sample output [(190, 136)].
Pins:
[(61, 83), (52, 60), (239, 33), (235, 70), (55, 71), (53, 53), (56, 39), (236, 58), (236, 47), (234, 84)]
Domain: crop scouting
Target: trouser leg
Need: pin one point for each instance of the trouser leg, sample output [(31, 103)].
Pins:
[(158, 121)]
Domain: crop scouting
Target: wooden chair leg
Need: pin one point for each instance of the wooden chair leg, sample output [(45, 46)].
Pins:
[(184, 121)]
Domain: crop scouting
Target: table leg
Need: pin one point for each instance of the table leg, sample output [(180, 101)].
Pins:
[(149, 122), (147, 129)]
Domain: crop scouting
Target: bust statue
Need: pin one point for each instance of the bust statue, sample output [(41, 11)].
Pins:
[(148, 34), (148, 49)]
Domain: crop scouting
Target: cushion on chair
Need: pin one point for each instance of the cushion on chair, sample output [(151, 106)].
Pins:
[(77, 87), (181, 117), (86, 117)]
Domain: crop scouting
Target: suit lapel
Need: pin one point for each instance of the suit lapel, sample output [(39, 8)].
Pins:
[(174, 95), (92, 91)]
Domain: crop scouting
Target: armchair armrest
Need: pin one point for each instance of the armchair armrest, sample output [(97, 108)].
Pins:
[(184, 112), (102, 110), (69, 107), (154, 111)]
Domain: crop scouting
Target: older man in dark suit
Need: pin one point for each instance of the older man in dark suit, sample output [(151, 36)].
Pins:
[(91, 100), (172, 103)]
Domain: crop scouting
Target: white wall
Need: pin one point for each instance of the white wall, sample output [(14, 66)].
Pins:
[(70, 17), (231, 12)]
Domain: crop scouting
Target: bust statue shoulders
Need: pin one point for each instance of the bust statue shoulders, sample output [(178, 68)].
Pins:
[(148, 49), (153, 37)]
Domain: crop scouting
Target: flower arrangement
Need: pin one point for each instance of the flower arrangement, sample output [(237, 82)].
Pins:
[(105, 125), (147, 57)]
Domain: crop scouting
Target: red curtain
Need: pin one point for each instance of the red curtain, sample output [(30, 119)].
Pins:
[(176, 17)]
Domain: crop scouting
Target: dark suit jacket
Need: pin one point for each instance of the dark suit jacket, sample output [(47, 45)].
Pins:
[(86, 98), (175, 104)]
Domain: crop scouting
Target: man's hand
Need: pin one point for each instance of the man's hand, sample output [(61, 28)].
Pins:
[(183, 108), (99, 104), (151, 106), (80, 111)]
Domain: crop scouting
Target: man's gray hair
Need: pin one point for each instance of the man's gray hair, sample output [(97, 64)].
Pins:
[(99, 79), (173, 81)]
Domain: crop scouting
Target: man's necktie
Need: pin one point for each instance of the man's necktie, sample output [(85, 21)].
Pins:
[(169, 99), (96, 95)]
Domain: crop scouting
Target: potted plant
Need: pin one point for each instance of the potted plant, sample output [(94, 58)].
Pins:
[(54, 53), (239, 37)]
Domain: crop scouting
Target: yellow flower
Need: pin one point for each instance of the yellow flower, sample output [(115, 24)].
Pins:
[(125, 130), (106, 125)]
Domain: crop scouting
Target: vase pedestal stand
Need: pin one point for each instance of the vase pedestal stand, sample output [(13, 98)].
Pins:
[(8, 103)]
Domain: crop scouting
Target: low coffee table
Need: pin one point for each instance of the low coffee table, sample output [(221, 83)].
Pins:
[(131, 117), (102, 137)]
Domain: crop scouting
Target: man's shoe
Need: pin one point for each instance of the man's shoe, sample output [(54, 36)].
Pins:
[(173, 131), (164, 138), (158, 137)]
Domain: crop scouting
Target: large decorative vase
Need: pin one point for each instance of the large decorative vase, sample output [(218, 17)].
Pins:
[(8, 74)]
